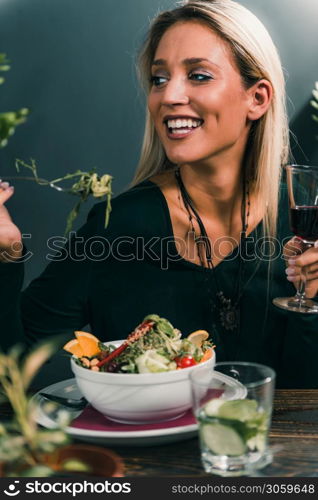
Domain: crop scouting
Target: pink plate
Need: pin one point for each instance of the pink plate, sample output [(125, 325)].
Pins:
[(91, 426), (91, 419)]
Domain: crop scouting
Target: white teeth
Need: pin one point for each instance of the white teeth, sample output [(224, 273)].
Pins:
[(182, 123)]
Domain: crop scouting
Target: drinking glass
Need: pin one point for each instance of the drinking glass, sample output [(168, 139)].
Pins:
[(233, 433), (302, 183)]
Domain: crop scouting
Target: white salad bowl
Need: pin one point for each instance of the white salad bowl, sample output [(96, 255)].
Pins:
[(138, 398)]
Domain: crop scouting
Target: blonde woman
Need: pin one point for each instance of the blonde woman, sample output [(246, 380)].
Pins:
[(199, 237)]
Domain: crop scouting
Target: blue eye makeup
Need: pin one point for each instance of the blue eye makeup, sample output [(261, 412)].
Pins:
[(200, 77), (157, 80)]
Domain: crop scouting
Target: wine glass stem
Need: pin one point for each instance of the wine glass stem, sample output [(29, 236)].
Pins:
[(301, 291), (300, 296)]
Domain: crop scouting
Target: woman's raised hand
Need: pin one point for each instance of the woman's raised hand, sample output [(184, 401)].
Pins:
[(10, 235)]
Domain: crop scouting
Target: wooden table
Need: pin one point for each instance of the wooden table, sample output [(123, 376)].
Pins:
[(294, 434)]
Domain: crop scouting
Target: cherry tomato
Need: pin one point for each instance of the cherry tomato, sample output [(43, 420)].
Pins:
[(185, 361)]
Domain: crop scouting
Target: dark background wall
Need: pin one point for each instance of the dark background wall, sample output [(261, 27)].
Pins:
[(73, 66)]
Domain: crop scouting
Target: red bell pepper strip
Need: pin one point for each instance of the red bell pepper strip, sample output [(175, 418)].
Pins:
[(139, 332)]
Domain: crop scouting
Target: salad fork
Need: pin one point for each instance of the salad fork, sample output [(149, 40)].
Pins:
[(75, 404)]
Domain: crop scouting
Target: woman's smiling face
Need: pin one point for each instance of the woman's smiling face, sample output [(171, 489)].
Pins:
[(197, 101)]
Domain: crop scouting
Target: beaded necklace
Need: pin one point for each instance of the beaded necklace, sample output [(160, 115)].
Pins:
[(228, 308)]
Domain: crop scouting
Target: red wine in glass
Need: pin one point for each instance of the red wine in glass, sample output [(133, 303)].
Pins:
[(304, 222), (302, 185)]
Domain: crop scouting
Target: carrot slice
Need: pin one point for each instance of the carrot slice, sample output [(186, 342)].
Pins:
[(207, 355)]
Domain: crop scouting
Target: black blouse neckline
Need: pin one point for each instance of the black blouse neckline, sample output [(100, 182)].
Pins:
[(181, 260)]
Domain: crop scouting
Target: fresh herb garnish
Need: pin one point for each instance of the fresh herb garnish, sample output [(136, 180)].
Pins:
[(87, 184)]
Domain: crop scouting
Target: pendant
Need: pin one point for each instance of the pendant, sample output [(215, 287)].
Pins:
[(229, 313)]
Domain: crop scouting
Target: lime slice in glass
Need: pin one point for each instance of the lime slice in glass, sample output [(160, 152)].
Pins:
[(222, 439), (240, 409), (257, 442), (211, 409)]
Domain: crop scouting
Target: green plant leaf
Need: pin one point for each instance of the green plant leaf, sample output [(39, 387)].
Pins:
[(35, 360), (8, 123), (37, 471), (75, 465), (71, 217), (314, 104), (10, 119), (11, 447), (4, 66), (48, 441), (2, 430)]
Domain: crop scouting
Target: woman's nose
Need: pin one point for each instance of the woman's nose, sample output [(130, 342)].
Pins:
[(175, 92)]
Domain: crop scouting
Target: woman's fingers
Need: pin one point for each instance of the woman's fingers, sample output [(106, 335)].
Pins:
[(302, 263), (307, 258), (293, 273), (6, 191), (293, 248), (312, 269), (294, 278), (10, 235), (311, 289)]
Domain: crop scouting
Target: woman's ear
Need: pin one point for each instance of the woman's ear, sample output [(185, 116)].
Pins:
[(261, 94)]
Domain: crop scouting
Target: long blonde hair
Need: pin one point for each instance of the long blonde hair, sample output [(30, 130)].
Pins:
[(257, 58)]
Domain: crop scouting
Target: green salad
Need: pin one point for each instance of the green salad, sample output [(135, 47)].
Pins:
[(159, 348)]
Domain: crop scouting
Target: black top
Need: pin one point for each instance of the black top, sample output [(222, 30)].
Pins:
[(110, 279)]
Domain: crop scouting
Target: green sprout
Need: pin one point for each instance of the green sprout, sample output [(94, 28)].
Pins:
[(9, 120), (87, 184)]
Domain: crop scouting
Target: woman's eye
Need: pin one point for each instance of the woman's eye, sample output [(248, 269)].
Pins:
[(200, 77), (158, 80)]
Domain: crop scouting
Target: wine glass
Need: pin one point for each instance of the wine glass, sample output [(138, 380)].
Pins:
[(302, 184)]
